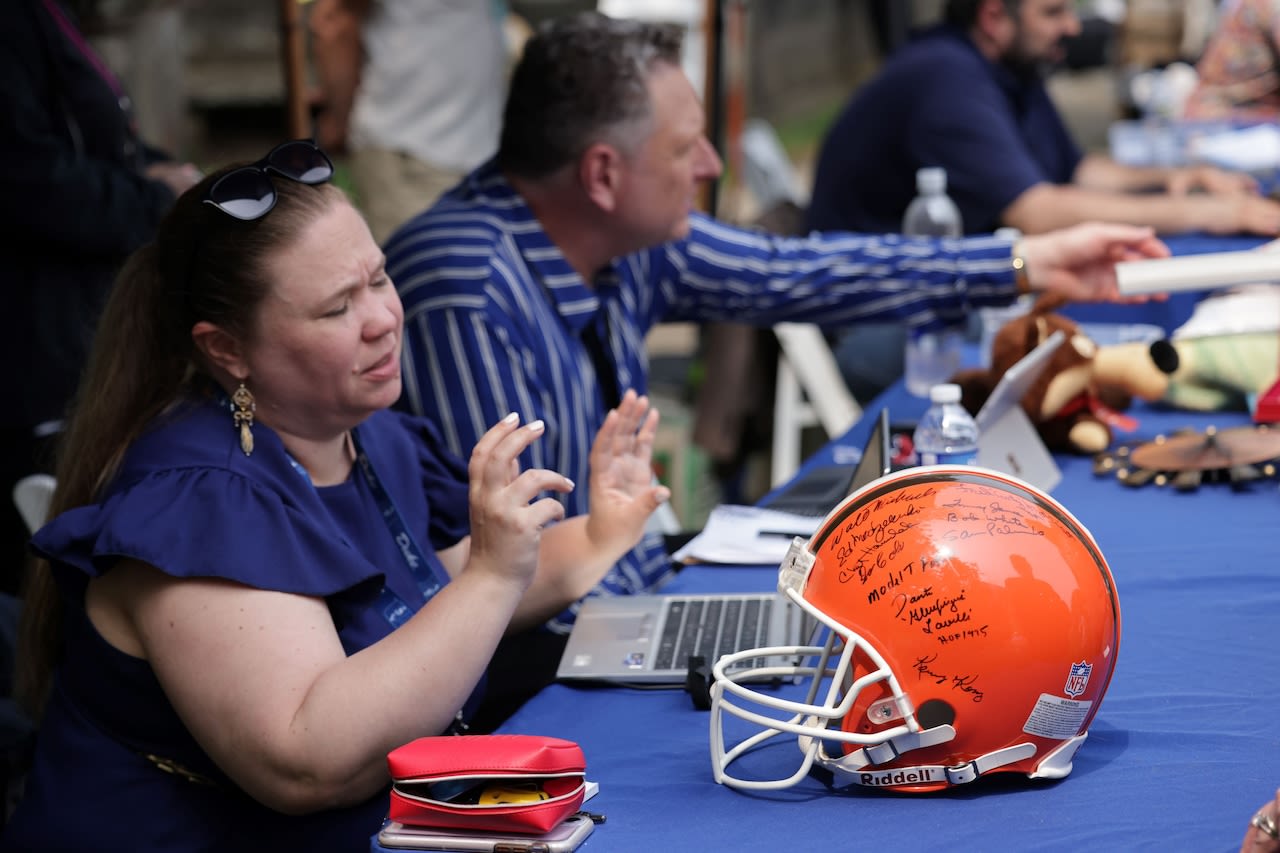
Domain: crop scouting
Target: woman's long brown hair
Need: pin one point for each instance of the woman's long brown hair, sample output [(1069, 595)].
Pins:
[(203, 265)]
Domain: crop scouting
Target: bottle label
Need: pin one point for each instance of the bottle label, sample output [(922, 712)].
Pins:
[(963, 457)]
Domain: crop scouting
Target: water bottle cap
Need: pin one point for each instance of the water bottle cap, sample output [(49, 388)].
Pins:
[(947, 392), (931, 180)]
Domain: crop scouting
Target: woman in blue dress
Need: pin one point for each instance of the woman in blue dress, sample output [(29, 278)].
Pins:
[(259, 580)]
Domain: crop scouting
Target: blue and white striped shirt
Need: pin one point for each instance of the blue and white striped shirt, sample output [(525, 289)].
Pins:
[(494, 315)]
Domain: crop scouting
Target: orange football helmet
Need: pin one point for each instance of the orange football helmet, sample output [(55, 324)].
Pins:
[(971, 624)]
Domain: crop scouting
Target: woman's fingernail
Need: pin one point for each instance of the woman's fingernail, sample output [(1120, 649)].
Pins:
[(572, 484), (511, 418), (536, 426)]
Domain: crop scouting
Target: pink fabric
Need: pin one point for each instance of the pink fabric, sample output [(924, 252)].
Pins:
[(1239, 77)]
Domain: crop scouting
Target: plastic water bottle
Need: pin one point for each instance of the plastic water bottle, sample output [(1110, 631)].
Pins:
[(946, 433), (933, 356)]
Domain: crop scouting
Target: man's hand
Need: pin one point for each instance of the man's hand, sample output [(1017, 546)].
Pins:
[(1078, 263), (1210, 180), (1241, 215)]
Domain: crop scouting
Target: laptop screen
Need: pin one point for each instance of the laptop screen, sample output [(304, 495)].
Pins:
[(821, 489), (877, 454)]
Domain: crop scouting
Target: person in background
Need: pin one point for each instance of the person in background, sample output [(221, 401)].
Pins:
[(79, 190), (412, 89), (969, 96), (532, 284), (257, 581), (1238, 75)]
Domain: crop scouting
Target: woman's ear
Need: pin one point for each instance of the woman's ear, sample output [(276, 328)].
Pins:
[(221, 349)]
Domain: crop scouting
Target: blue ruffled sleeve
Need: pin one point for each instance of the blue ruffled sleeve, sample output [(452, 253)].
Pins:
[(205, 522), (188, 502)]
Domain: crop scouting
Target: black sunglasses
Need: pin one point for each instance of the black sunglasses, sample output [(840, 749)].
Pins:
[(247, 193)]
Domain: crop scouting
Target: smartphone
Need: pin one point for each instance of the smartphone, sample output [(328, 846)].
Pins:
[(564, 838)]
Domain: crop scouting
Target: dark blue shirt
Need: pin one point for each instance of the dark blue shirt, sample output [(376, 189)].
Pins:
[(188, 502), (939, 102)]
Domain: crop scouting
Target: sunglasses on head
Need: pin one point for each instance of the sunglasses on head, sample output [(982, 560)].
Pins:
[(247, 192)]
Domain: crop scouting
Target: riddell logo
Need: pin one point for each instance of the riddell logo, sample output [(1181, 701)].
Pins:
[(900, 777)]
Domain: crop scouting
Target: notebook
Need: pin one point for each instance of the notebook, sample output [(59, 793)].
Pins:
[(1007, 440), (648, 639)]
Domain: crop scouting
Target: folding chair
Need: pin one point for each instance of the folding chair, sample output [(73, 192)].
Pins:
[(810, 390)]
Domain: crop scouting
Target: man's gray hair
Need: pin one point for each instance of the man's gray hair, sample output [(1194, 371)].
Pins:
[(582, 79)]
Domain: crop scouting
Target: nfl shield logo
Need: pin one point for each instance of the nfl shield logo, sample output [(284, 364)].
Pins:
[(1078, 679)]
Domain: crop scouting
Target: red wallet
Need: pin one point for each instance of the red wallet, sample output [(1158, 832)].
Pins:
[(488, 783)]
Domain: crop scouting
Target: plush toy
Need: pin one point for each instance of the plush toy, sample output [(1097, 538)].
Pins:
[(1072, 408), (1225, 355)]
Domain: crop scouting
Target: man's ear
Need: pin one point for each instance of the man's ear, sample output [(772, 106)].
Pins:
[(995, 21), (221, 349), (600, 173)]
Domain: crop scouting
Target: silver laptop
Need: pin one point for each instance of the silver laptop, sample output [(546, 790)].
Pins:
[(1007, 440), (820, 489), (649, 639)]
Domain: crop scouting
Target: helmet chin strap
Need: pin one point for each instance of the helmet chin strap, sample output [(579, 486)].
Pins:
[(851, 769), (883, 753)]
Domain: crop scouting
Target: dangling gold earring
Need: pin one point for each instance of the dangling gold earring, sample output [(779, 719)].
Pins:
[(242, 416)]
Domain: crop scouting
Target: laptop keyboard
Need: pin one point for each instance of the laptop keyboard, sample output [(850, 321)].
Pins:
[(712, 627)]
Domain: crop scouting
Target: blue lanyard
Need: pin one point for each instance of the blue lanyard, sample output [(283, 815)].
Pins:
[(393, 608)]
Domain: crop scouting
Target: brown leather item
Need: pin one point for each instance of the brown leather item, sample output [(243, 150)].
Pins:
[(1210, 450), (1240, 456)]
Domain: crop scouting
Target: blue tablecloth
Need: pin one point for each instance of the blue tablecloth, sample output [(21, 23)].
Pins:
[(1183, 749)]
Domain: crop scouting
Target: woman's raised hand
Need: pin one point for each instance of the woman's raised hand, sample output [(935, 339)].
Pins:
[(506, 521), (623, 492)]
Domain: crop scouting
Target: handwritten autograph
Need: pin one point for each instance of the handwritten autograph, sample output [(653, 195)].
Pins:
[(963, 683)]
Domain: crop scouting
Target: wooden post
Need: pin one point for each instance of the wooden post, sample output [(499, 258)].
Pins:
[(293, 43), (713, 29), (734, 83)]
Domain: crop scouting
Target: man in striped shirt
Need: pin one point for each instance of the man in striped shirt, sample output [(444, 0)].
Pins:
[(581, 235)]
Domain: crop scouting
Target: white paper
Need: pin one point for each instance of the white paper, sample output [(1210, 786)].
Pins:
[(747, 535), (1251, 309), (1250, 149)]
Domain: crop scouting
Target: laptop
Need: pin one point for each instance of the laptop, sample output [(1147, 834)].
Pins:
[(821, 489), (648, 639), (1007, 440)]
